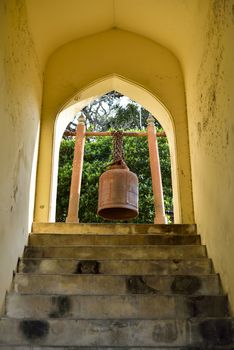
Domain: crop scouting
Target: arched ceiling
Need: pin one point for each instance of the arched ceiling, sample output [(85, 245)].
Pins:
[(175, 24)]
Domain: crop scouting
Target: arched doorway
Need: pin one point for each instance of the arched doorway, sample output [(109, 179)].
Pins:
[(133, 91)]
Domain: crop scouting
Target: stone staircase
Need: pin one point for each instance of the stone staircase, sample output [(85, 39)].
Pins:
[(99, 287)]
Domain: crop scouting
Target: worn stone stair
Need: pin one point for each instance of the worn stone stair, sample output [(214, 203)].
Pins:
[(138, 287)]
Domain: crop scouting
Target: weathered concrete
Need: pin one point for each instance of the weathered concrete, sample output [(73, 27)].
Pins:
[(116, 267), (107, 284), (107, 239), (117, 252), (110, 348), (116, 332), (94, 295), (115, 306), (112, 228)]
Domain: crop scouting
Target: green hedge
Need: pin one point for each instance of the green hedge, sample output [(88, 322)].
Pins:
[(98, 155)]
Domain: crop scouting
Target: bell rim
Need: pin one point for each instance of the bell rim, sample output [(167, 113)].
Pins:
[(130, 209)]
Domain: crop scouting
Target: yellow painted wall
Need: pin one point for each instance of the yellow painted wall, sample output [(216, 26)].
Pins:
[(79, 63), (199, 32), (209, 78), (20, 101)]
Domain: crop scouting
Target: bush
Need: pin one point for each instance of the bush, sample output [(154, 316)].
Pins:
[(98, 155)]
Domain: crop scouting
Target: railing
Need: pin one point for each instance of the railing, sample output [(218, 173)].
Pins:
[(78, 159)]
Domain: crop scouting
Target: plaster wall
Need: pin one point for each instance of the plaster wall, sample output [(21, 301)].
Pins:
[(20, 102), (78, 64), (209, 78)]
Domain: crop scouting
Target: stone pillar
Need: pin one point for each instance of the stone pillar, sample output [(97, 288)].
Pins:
[(159, 216), (77, 167)]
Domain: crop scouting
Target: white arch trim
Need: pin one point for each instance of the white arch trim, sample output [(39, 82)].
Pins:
[(137, 93)]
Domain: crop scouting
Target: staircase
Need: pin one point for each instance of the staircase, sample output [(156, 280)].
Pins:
[(97, 287)]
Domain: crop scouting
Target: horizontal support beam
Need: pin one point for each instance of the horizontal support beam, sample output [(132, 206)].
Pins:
[(109, 133)]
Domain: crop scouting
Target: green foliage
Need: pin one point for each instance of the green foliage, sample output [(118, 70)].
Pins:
[(98, 154), (112, 111)]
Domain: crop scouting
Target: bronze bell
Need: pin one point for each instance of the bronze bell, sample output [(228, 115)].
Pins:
[(118, 193)]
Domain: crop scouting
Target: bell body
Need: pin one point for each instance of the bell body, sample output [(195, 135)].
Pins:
[(118, 194)]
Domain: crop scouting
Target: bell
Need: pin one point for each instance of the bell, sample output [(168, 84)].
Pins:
[(118, 193)]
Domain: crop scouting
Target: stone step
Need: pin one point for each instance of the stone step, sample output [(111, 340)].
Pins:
[(108, 239), (67, 347), (60, 227), (118, 252), (222, 347), (112, 285), (25, 347), (115, 306), (118, 267), (117, 333)]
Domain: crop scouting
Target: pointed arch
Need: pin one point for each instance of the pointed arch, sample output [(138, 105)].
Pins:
[(86, 68), (135, 92)]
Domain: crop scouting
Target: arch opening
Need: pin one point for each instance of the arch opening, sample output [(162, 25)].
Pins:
[(133, 91)]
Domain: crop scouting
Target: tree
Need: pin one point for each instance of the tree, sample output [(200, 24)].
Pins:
[(109, 112)]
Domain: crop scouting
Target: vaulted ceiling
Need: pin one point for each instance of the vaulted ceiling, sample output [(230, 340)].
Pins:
[(175, 24)]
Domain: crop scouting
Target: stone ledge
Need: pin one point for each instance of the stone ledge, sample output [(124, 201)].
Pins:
[(64, 228)]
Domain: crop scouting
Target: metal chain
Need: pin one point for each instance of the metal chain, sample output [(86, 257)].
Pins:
[(118, 151)]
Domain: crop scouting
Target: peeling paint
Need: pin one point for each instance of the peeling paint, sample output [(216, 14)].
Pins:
[(87, 267)]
